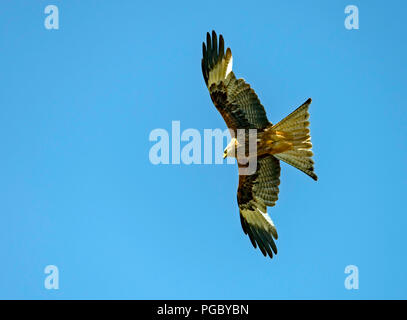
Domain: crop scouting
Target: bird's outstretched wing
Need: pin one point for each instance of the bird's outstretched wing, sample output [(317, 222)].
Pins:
[(255, 193), (234, 98)]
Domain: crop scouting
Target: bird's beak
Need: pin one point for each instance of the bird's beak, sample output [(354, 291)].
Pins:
[(225, 154)]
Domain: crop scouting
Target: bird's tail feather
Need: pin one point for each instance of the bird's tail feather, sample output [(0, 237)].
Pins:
[(295, 130)]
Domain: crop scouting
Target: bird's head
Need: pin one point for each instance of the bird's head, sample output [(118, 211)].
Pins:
[(230, 150)]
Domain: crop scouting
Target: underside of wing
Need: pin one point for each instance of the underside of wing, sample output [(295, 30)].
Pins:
[(216, 65), (234, 98), (255, 193)]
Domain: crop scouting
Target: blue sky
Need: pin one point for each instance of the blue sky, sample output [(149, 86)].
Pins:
[(78, 190)]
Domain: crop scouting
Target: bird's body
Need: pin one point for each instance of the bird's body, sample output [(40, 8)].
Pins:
[(289, 140)]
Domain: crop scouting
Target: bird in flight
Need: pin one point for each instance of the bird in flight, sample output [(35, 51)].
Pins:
[(289, 140)]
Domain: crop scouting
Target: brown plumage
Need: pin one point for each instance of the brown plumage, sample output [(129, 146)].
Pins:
[(289, 140)]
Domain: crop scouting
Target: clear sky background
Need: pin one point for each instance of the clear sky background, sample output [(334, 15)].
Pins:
[(77, 189)]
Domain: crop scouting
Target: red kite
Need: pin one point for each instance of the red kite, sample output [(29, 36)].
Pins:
[(289, 141)]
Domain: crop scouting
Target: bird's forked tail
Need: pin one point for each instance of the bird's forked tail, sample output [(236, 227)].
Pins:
[(295, 133)]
